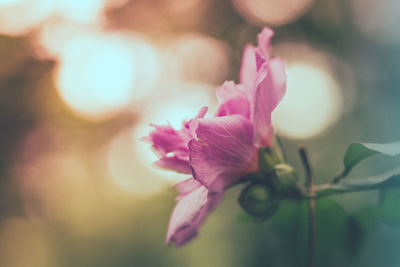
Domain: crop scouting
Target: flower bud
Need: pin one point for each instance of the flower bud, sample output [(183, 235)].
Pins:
[(285, 182), (258, 200), (267, 159)]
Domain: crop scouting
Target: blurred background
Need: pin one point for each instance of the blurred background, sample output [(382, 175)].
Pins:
[(80, 81)]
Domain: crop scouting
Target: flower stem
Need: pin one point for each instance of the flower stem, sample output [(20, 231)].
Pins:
[(311, 205), (337, 179)]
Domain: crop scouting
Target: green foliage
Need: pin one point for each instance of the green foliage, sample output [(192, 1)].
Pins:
[(355, 234), (386, 180), (358, 227), (291, 223), (274, 194), (357, 152), (389, 208)]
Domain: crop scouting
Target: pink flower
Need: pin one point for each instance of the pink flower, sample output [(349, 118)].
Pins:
[(221, 150), (226, 146)]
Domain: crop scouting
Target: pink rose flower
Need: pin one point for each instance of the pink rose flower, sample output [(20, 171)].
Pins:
[(219, 151)]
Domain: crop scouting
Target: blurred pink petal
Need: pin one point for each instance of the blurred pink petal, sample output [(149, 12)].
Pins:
[(248, 70), (171, 145), (174, 163), (253, 58), (233, 101), (187, 186), (264, 80), (229, 90), (193, 205), (223, 151), (166, 139), (264, 42), (269, 92)]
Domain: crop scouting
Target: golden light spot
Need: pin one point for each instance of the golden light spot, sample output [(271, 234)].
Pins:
[(311, 104), (100, 75)]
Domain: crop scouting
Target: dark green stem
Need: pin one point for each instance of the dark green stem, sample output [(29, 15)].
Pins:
[(311, 205), (343, 174)]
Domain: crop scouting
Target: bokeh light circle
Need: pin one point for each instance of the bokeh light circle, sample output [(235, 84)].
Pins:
[(129, 173), (271, 12), (198, 58), (18, 17), (101, 75), (311, 104)]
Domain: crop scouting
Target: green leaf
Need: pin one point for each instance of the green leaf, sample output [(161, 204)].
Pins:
[(386, 180), (389, 209), (358, 227), (355, 235), (291, 224), (357, 152)]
